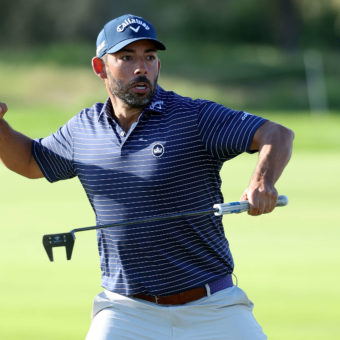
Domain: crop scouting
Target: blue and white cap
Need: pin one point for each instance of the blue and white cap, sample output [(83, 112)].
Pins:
[(124, 30)]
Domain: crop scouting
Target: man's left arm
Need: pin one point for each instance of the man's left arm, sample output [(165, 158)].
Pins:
[(274, 144)]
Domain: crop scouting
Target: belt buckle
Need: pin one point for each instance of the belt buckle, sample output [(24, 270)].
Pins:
[(156, 299)]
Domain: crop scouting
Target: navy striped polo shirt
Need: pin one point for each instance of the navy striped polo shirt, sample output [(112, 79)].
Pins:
[(168, 162)]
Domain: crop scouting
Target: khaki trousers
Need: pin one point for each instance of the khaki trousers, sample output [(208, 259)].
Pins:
[(225, 315)]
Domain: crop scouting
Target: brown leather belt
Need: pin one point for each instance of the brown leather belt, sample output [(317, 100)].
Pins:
[(188, 295)]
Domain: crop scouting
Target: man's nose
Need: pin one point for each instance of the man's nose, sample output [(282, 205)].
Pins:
[(140, 68)]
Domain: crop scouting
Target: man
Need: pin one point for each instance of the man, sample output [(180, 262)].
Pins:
[(147, 152)]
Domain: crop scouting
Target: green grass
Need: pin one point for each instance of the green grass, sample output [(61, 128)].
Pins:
[(286, 261)]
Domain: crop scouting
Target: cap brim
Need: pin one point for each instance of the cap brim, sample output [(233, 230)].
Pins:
[(159, 45)]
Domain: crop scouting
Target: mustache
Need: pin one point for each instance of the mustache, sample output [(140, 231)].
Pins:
[(139, 79)]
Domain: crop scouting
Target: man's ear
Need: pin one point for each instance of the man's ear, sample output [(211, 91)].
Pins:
[(98, 67)]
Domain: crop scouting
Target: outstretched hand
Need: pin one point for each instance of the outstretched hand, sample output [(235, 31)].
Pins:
[(3, 109)]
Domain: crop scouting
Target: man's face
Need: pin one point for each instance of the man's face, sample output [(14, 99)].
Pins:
[(132, 73)]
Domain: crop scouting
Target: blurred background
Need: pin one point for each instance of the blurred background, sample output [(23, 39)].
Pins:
[(257, 54), (278, 59)]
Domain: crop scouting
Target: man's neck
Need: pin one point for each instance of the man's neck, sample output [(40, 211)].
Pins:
[(124, 114)]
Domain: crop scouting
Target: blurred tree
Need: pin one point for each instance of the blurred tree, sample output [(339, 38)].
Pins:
[(44, 21), (320, 20), (285, 23)]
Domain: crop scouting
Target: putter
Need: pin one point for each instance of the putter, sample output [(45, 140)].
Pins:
[(66, 240)]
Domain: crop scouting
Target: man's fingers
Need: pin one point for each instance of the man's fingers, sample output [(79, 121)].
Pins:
[(271, 204), (3, 109), (255, 207), (244, 197), (263, 203)]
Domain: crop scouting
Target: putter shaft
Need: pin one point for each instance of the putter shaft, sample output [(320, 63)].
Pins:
[(66, 240)]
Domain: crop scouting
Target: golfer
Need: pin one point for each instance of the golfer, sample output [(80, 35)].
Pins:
[(147, 152)]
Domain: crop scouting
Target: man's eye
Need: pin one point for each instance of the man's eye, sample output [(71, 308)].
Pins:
[(126, 57), (151, 57)]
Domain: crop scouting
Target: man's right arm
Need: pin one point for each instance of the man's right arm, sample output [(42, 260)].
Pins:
[(16, 149)]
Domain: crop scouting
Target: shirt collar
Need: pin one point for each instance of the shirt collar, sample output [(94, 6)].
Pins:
[(106, 109), (157, 104)]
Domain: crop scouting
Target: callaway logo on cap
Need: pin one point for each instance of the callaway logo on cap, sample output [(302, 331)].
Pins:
[(132, 21), (124, 30)]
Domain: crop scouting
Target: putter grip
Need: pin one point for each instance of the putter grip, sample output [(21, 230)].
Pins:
[(238, 207)]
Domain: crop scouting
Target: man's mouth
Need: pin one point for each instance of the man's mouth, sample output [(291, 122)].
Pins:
[(140, 87)]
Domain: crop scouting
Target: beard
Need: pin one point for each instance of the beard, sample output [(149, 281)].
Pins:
[(132, 99)]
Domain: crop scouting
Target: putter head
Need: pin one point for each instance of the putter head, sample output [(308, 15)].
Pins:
[(59, 240)]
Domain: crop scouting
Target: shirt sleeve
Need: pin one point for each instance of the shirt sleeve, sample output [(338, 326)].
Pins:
[(54, 154), (224, 132)]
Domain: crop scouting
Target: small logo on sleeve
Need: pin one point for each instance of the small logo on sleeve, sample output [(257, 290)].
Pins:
[(245, 115), (157, 150)]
